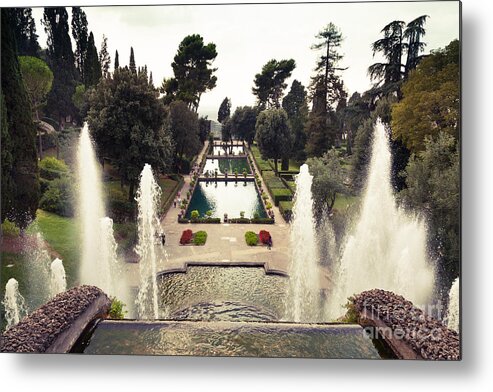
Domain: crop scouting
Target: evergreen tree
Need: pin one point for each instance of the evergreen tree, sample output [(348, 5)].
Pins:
[(7, 186), (21, 202), (273, 135), (414, 32), (92, 71), (296, 106), (24, 29), (269, 84), (117, 61), (126, 119), (62, 63), (193, 73), (104, 57), (80, 34), (224, 110), (132, 60)]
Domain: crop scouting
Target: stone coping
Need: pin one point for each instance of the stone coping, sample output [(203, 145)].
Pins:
[(255, 264), (56, 326), (408, 331)]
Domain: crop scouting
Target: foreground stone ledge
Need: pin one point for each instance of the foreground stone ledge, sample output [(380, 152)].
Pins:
[(56, 326), (409, 332)]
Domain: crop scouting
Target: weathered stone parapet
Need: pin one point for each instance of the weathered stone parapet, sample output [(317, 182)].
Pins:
[(408, 331), (56, 326)]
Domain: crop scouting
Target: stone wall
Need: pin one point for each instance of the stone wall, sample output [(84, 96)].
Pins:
[(56, 326), (409, 332)]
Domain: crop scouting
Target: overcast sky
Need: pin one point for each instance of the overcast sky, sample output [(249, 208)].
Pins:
[(247, 36)]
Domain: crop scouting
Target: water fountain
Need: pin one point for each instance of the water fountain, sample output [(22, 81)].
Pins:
[(37, 267), (303, 294), (387, 248), (58, 281), (99, 263), (453, 306), (148, 198), (14, 303)]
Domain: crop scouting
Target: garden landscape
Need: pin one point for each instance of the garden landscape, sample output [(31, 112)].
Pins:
[(306, 207)]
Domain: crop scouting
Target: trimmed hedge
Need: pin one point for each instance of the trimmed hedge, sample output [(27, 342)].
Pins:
[(201, 220), (239, 220), (267, 221), (251, 238), (281, 195), (200, 238), (186, 237), (286, 209)]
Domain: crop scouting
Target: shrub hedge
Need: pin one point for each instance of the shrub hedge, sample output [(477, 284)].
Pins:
[(286, 209), (251, 238), (200, 238), (281, 195)]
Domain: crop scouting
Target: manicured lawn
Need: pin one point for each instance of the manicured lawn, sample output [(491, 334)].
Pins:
[(62, 235), (343, 202)]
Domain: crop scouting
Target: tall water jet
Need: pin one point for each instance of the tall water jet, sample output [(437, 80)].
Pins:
[(14, 303), (58, 281), (148, 198), (453, 316), (94, 269), (303, 296), (387, 249)]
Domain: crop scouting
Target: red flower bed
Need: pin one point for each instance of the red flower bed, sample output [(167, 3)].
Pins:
[(186, 237), (264, 237)]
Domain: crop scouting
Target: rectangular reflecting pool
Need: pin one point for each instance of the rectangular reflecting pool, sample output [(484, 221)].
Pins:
[(225, 338), (226, 197), (223, 165)]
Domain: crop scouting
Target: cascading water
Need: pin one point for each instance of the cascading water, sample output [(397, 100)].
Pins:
[(303, 296), (148, 197), (387, 249), (14, 303), (58, 281), (453, 306), (98, 256)]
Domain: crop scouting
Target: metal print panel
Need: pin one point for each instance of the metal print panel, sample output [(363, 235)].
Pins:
[(261, 180)]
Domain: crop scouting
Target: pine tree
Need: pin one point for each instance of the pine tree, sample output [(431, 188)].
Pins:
[(92, 65), (22, 202), (79, 32), (117, 61), (104, 57), (62, 63), (132, 61)]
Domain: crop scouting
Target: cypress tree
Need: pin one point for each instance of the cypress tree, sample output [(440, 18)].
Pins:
[(79, 32), (92, 70), (62, 63), (104, 57), (132, 61), (6, 151), (117, 61), (24, 29), (22, 202)]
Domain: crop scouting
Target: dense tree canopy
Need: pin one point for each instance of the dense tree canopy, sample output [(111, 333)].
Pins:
[(431, 99), (194, 75), (328, 179), (273, 135), (433, 188), (184, 127), (243, 123), (224, 110), (270, 83), (127, 123), (21, 200)]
